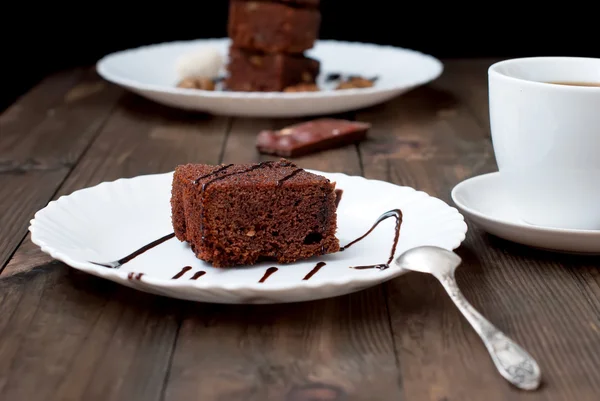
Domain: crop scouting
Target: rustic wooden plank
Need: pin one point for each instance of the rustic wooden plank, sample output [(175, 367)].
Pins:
[(331, 349), (43, 135), (76, 336), (431, 140), (27, 257), (79, 337)]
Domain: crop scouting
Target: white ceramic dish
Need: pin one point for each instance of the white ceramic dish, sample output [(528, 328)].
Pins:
[(151, 71), (486, 201), (109, 221), (546, 138)]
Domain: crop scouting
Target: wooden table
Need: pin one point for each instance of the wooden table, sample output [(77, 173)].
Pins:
[(65, 335)]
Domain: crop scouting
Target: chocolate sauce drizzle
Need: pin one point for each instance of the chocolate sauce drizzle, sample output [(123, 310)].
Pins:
[(198, 274), (222, 168), (118, 263), (134, 276), (182, 272), (247, 170), (314, 270), (287, 177), (395, 213), (268, 273)]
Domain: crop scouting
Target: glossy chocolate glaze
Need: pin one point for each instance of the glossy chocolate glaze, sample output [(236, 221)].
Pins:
[(395, 213), (268, 273), (314, 270), (133, 255), (198, 274), (182, 272)]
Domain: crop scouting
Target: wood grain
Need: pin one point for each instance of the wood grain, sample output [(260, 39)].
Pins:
[(79, 337), (432, 139), (43, 136), (65, 335)]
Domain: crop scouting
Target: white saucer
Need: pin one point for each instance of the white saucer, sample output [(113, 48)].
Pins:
[(111, 220), (485, 200), (150, 71)]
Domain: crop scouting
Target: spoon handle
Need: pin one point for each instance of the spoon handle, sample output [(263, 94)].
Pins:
[(512, 361)]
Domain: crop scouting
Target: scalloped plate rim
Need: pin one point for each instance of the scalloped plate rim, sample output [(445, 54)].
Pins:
[(368, 280)]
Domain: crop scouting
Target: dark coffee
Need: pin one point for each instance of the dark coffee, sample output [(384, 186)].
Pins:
[(597, 84)]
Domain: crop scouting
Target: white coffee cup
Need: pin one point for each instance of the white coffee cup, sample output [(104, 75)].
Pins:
[(546, 138)]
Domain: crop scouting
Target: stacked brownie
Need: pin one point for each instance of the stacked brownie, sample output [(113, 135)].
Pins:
[(268, 41)]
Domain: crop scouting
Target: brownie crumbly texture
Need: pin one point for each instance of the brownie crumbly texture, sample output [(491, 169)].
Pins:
[(311, 136), (241, 214), (263, 72), (272, 27)]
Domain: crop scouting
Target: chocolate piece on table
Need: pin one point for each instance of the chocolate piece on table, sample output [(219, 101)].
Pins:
[(312, 136), (272, 27), (260, 72)]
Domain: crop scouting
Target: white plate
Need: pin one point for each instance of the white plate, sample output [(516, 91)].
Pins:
[(151, 72), (485, 200), (109, 221)]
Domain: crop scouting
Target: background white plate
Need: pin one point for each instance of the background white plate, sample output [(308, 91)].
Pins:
[(150, 71), (113, 219)]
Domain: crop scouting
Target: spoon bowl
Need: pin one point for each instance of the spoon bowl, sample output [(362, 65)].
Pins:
[(512, 361)]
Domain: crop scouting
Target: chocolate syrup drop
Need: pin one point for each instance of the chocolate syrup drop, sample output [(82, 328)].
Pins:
[(132, 276), (287, 177), (122, 261), (182, 272), (314, 270), (268, 273), (397, 214), (222, 168), (197, 275)]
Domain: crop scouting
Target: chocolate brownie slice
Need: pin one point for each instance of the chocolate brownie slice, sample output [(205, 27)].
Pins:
[(259, 72), (241, 214), (272, 27)]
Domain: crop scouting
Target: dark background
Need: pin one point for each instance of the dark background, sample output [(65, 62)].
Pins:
[(41, 38)]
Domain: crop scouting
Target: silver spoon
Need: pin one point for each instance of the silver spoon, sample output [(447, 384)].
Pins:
[(512, 361)]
